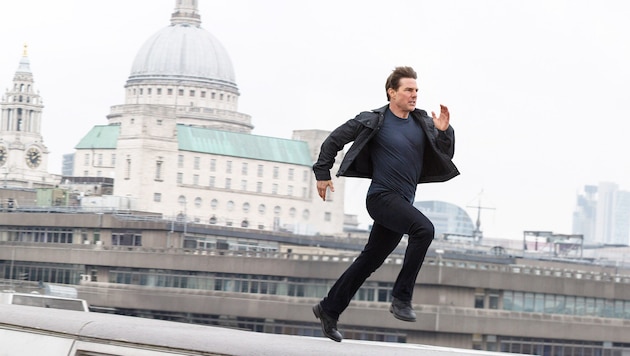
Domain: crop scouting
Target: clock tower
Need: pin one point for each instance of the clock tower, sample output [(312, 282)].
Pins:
[(23, 155)]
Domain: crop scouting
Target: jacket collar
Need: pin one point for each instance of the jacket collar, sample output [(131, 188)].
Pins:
[(418, 112)]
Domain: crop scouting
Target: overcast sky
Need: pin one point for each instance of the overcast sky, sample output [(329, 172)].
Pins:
[(538, 89)]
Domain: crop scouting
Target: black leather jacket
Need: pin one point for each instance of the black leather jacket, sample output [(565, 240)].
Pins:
[(437, 165)]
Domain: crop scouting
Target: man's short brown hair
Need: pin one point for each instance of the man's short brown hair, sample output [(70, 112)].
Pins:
[(393, 81)]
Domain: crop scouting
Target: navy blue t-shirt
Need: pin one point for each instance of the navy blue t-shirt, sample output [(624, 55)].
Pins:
[(396, 152)]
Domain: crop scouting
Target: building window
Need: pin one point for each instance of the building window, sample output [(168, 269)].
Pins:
[(99, 159), (304, 192), (292, 212), (246, 207), (196, 162), (276, 172), (192, 93), (203, 94), (327, 216), (157, 197), (291, 173), (244, 185), (261, 209), (158, 122), (214, 203), (180, 92), (158, 170), (159, 91), (479, 301), (126, 239), (493, 301), (290, 190), (148, 91), (213, 95), (259, 187), (228, 167), (244, 169), (228, 183), (305, 176), (198, 202), (86, 159), (230, 205), (180, 178), (260, 170), (212, 182), (213, 165), (306, 214), (113, 159), (274, 188), (180, 161), (221, 96), (196, 179), (128, 169), (277, 210)]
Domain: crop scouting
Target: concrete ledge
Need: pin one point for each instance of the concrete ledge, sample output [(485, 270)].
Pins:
[(28, 331)]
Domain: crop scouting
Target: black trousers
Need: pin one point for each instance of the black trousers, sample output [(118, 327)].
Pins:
[(393, 217)]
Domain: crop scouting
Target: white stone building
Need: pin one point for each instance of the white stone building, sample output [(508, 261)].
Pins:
[(179, 147)]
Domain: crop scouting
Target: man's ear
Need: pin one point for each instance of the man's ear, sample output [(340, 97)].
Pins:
[(391, 92)]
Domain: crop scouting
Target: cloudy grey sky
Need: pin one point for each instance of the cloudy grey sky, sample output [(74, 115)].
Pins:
[(538, 89)]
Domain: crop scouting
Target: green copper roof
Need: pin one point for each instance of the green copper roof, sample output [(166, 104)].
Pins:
[(101, 136), (202, 140), (236, 144)]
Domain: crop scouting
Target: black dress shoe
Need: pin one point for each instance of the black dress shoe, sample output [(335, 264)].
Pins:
[(402, 310), (329, 324)]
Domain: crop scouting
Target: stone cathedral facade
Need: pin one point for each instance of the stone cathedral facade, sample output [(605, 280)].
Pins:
[(178, 145), (23, 154)]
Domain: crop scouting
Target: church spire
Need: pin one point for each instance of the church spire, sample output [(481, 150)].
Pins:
[(186, 13), (25, 64)]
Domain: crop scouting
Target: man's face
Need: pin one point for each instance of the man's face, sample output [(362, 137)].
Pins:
[(404, 99)]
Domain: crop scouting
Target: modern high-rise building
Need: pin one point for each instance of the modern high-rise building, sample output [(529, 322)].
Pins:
[(602, 215)]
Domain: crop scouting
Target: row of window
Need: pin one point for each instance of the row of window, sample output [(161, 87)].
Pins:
[(39, 234), (514, 301), (159, 167), (212, 183), (98, 159), (242, 283), (565, 304), (182, 92), (299, 287), (245, 168), (44, 272), (23, 120), (245, 207), (20, 99), (555, 347), (22, 88)]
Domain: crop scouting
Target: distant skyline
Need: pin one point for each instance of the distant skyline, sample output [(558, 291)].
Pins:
[(537, 89)]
